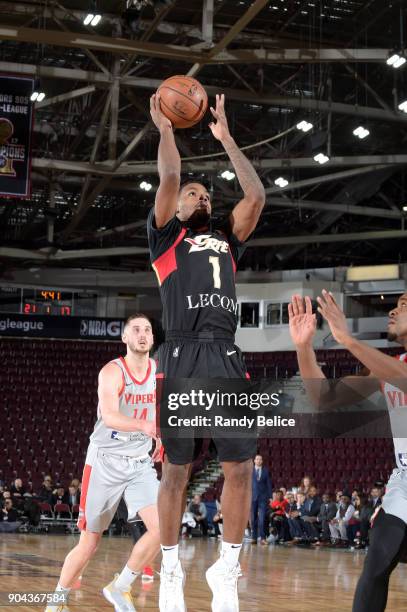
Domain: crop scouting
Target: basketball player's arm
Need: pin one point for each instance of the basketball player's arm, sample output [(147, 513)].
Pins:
[(246, 213), (321, 393), (169, 167), (109, 388), (382, 367)]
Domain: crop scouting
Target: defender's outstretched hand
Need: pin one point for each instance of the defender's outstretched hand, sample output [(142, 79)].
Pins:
[(158, 117), (334, 316), (220, 129), (301, 320)]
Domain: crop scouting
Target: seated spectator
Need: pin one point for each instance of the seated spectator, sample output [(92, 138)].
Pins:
[(218, 522), (309, 514), (305, 484), (198, 510), (17, 493), (277, 516), (10, 521), (327, 512), (294, 516), (338, 525), (338, 496), (359, 525), (71, 497), (375, 500), (187, 523), (46, 492), (58, 496)]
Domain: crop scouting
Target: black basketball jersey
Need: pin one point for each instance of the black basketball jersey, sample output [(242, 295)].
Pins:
[(196, 273)]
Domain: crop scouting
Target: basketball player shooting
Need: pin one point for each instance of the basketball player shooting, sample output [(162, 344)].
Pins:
[(195, 261), (118, 464), (388, 536)]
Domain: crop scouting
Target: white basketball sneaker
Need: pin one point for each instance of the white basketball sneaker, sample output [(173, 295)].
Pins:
[(121, 600), (172, 590), (222, 580)]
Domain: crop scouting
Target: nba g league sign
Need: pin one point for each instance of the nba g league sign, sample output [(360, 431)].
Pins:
[(16, 117)]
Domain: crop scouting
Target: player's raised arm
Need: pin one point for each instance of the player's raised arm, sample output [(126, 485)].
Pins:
[(382, 366), (110, 384), (246, 213), (169, 166), (349, 390)]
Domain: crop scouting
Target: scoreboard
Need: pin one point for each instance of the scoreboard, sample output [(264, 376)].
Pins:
[(47, 302), (19, 300)]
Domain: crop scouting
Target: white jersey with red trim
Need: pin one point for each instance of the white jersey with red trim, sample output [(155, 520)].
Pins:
[(396, 400), (136, 400)]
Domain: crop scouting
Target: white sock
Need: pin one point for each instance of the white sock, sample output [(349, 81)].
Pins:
[(61, 589), (65, 591), (230, 553), (125, 579), (170, 557)]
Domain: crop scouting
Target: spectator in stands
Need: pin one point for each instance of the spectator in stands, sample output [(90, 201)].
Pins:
[(277, 516), (338, 525), (198, 510), (46, 491), (10, 517), (338, 496), (75, 482), (71, 497), (261, 496), (17, 489), (218, 520), (376, 497), (309, 514), (58, 496), (327, 513), (305, 484), (359, 526), (294, 518)]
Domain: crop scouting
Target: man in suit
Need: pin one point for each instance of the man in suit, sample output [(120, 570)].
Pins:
[(261, 495), (309, 515), (71, 497), (327, 512)]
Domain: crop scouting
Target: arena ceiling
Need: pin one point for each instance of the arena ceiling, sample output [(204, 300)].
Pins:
[(278, 62)]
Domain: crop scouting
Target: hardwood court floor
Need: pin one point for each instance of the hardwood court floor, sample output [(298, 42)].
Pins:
[(274, 578)]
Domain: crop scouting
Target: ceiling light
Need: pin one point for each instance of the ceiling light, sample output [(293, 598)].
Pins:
[(403, 106), (304, 126), (404, 208), (396, 59), (361, 132), (321, 158), (92, 19), (229, 176), (281, 182), (146, 186), (37, 96)]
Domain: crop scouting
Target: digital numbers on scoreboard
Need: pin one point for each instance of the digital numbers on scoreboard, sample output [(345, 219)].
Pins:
[(47, 302)]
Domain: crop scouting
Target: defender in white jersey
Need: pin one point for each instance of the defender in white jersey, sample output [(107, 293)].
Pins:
[(118, 464), (388, 537)]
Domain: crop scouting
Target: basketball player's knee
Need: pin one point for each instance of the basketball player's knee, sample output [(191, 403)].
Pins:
[(175, 478), (89, 546), (239, 474)]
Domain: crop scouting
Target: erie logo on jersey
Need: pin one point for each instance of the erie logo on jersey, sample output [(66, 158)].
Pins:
[(206, 242), (403, 459)]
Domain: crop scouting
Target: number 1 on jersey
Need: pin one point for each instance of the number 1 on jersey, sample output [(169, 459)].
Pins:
[(214, 261)]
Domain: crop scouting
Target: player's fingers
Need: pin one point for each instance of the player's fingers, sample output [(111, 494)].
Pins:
[(300, 301), (290, 310), (214, 113), (308, 305), (294, 305)]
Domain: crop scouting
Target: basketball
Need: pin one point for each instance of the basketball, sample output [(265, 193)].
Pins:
[(183, 100)]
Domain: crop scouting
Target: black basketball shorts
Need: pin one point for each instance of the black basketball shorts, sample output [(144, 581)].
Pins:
[(186, 358)]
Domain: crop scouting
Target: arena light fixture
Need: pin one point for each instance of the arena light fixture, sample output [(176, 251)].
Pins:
[(321, 158), (229, 176), (361, 132), (404, 208), (92, 19), (281, 182), (146, 186), (396, 59), (304, 126), (403, 106), (37, 96)]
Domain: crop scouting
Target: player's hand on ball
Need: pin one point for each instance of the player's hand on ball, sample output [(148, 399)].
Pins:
[(220, 129), (302, 321), (334, 316), (160, 120)]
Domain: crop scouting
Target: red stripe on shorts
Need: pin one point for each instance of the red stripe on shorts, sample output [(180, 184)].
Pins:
[(84, 493)]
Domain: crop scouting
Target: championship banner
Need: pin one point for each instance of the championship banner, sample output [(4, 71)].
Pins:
[(16, 117)]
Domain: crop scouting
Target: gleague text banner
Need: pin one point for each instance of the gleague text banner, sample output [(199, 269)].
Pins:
[(16, 117)]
